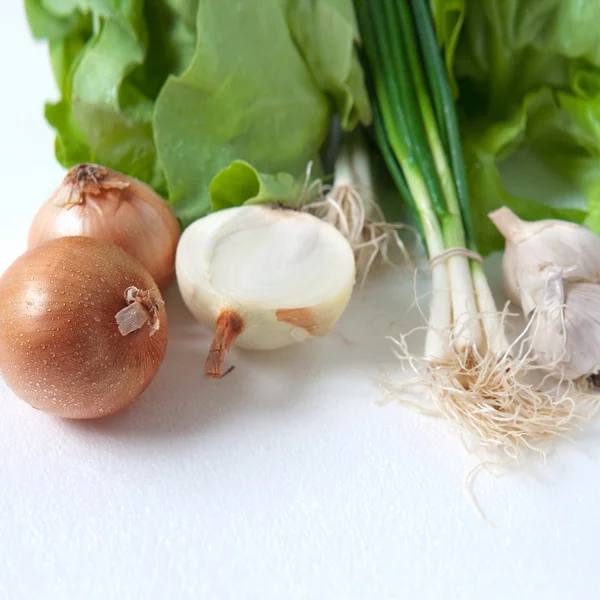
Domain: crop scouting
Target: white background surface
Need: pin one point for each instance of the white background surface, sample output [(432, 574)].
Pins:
[(286, 480)]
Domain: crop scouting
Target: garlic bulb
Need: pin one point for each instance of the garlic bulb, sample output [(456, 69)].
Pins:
[(264, 277), (97, 202), (533, 247), (552, 270), (566, 333)]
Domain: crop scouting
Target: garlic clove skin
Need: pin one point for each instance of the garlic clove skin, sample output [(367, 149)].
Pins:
[(552, 270), (566, 331), (532, 247), (286, 275)]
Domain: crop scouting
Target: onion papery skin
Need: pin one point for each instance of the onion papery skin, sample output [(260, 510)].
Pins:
[(96, 202), (60, 346)]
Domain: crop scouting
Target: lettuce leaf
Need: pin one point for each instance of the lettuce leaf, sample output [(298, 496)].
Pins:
[(527, 75), (240, 99), (484, 149), (175, 91), (326, 32), (448, 17), (95, 46), (240, 183)]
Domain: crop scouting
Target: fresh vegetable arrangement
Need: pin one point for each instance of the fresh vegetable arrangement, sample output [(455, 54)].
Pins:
[(265, 124)]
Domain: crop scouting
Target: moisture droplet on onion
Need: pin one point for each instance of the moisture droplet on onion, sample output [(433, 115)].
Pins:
[(94, 201), (83, 328), (264, 277)]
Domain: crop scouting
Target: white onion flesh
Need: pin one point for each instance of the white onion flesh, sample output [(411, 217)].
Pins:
[(285, 273)]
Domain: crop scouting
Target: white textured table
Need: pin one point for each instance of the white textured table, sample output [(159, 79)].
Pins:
[(286, 480)]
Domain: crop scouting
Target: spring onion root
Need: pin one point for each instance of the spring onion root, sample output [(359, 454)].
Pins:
[(350, 206), (495, 399)]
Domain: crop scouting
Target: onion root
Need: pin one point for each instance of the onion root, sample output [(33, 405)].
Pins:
[(142, 307), (498, 398), (229, 325)]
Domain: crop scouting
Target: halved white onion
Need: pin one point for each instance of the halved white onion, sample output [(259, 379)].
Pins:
[(263, 277)]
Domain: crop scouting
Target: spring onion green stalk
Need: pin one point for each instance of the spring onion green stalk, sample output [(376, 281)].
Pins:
[(476, 377)]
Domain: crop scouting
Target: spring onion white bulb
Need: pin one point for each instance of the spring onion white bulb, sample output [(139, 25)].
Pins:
[(351, 207), (263, 277), (552, 270)]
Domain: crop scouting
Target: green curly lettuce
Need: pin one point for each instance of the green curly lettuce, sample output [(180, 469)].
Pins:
[(527, 76), (175, 91)]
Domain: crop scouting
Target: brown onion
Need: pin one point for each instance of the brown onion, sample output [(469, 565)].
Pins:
[(63, 349), (96, 202)]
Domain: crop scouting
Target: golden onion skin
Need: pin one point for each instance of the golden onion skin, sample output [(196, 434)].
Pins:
[(94, 201), (60, 348)]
